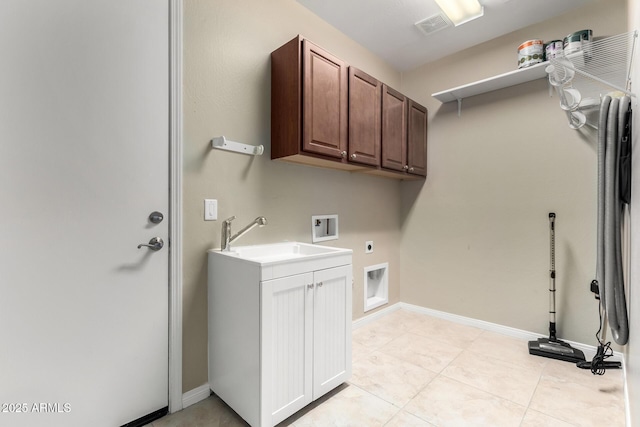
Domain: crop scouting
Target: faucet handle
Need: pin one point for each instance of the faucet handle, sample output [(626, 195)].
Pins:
[(228, 220)]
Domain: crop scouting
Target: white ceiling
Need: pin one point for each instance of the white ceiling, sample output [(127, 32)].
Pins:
[(386, 27)]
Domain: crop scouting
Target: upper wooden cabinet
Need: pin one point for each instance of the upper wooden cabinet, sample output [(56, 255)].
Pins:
[(325, 102), (394, 129), (326, 113), (364, 118), (404, 134), (417, 139), (309, 93)]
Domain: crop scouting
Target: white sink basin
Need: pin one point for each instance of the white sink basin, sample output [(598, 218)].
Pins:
[(282, 252)]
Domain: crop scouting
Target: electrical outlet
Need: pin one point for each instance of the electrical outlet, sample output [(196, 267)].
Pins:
[(368, 247), (210, 209)]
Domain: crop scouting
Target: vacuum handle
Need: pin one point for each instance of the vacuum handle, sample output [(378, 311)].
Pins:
[(552, 277), (552, 242)]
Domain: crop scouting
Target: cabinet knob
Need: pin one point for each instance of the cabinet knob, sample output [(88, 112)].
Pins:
[(411, 169), (310, 286), (405, 167), (353, 156), (320, 284), (343, 154)]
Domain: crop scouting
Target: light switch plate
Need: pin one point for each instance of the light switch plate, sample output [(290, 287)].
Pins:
[(210, 209)]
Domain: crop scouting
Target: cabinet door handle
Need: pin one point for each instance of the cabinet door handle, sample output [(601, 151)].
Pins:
[(411, 169), (310, 286), (343, 154), (320, 284), (405, 167), (353, 156)]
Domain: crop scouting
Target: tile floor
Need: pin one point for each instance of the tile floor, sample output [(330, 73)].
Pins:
[(411, 369)]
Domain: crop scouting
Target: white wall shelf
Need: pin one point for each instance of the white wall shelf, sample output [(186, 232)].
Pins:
[(222, 143), (490, 84)]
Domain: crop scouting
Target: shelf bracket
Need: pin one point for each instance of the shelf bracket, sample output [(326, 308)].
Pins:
[(459, 106), (222, 143)]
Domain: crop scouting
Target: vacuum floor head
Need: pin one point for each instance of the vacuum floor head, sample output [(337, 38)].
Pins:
[(555, 349)]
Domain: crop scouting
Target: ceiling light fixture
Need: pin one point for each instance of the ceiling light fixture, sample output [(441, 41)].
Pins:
[(461, 11)]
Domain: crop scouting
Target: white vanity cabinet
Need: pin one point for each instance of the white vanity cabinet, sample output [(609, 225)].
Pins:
[(279, 331)]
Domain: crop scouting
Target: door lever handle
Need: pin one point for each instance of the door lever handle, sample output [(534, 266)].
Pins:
[(155, 244)]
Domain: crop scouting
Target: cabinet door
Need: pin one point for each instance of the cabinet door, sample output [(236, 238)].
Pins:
[(394, 129), (417, 139), (364, 118), (325, 102), (331, 329), (286, 351)]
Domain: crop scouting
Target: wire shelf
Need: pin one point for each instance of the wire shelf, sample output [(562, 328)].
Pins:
[(582, 78)]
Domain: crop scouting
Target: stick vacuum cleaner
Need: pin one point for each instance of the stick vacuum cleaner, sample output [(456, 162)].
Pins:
[(552, 347)]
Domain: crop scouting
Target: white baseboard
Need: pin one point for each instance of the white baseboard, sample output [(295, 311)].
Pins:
[(358, 323), (196, 395)]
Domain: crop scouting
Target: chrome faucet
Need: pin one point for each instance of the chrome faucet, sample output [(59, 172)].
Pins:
[(227, 239)]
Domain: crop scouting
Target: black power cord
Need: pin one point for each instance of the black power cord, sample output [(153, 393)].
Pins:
[(599, 365)]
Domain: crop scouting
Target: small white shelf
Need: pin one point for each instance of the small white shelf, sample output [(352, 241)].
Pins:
[(222, 143), (501, 81)]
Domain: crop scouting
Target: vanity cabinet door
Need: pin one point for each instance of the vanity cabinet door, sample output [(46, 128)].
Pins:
[(331, 328), (306, 339), (286, 350), (325, 102), (417, 139), (394, 129), (364, 118)]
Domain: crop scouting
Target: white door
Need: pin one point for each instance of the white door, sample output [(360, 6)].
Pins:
[(83, 162), (286, 331), (331, 329)]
